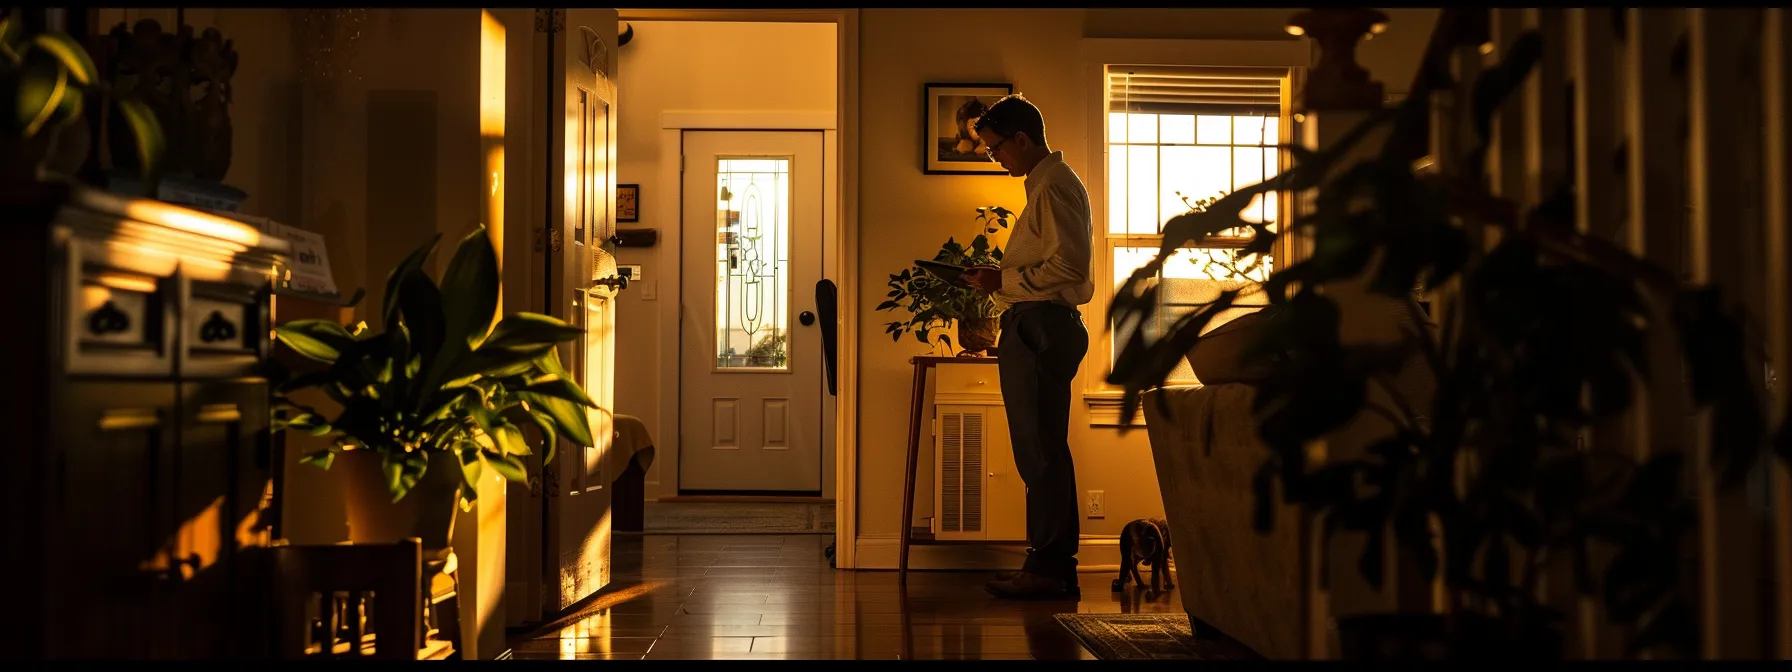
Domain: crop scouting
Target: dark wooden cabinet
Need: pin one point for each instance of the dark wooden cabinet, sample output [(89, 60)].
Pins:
[(142, 458)]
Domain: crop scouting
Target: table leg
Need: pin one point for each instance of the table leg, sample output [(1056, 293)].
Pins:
[(908, 479)]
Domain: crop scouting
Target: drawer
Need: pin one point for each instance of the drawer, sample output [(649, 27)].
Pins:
[(223, 326), (116, 322), (956, 378)]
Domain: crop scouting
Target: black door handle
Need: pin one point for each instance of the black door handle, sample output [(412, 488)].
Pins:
[(826, 297), (806, 318)]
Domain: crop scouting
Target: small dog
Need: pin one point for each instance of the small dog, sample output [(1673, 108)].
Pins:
[(1145, 541)]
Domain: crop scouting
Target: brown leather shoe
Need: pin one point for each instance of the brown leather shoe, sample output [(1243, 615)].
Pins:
[(1029, 586)]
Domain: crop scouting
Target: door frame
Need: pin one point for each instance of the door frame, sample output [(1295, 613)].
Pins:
[(749, 122), (840, 258)]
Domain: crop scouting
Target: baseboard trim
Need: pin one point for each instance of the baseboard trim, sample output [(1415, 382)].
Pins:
[(1095, 553), (742, 499)]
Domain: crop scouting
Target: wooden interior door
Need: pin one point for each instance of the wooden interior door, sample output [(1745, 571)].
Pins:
[(582, 171)]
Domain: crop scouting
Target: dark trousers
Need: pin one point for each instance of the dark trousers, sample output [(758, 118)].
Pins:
[(1041, 346)]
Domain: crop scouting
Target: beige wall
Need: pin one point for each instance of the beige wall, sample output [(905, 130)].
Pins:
[(904, 213), (693, 66), (264, 108)]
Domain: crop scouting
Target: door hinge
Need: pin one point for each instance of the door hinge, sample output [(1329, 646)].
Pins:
[(680, 164), (550, 20)]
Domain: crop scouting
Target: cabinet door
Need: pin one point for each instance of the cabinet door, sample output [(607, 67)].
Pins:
[(114, 523), (1005, 513), (223, 467)]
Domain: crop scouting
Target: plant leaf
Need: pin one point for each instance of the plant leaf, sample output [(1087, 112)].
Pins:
[(39, 95), (561, 388), (150, 140), (320, 459), (472, 467), (413, 263), (70, 53), (472, 282), (568, 416), (526, 329), (510, 466), (318, 339)]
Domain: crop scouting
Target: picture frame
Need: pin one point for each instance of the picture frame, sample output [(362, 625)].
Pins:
[(948, 146), (628, 203)]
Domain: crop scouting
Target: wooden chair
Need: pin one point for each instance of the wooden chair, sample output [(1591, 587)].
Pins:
[(442, 618), (353, 601)]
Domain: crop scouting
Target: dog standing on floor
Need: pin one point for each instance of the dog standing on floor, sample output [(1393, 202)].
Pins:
[(1145, 541)]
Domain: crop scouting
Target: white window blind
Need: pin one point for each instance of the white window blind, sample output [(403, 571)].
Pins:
[(1192, 90)]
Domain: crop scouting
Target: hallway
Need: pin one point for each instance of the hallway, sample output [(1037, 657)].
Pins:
[(711, 597)]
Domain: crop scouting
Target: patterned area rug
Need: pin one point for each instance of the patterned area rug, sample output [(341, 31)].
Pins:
[(1150, 637), (741, 518)]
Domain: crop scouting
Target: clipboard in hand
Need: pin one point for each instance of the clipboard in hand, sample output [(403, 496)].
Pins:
[(953, 274)]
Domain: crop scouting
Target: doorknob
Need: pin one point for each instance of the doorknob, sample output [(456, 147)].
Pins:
[(616, 281), (806, 318)]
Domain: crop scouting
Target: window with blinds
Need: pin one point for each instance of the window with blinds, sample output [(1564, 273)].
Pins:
[(1178, 136)]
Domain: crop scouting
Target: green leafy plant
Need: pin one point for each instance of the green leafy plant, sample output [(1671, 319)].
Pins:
[(769, 351), (933, 304), (46, 81), (434, 380), (1541, 342)]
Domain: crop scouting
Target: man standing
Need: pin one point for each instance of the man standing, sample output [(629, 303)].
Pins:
[(1043, 278)]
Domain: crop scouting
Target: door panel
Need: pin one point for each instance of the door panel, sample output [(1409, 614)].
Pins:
[(576, 537), (750, 414), (224, 473), (114, 571)]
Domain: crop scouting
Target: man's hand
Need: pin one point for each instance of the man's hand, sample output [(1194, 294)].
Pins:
[(984, 279)]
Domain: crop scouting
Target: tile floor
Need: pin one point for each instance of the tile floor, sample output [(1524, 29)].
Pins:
[(711, 597)]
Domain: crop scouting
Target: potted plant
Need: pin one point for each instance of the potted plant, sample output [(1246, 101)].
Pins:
[(435, 398), (1539, 340), (934, 304), (46, 82)]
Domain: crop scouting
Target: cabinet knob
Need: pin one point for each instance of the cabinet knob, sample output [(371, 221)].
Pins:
[(992, 474), (979, 382)]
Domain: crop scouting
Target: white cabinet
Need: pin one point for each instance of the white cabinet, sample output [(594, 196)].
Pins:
[(978, 493)]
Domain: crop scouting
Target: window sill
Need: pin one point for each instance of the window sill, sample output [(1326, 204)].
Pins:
[(1105, 408)]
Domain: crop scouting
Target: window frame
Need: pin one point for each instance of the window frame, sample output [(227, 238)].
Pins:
[(1103, 400)]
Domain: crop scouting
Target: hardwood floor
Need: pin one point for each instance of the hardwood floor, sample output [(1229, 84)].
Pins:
[(711, 597)]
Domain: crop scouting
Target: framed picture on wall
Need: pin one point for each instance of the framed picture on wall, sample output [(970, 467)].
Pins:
[(948, 112), (628, 199)]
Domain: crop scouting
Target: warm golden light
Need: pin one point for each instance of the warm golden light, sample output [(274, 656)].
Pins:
[(175, 217), (491, 75), (172, 216), (129, 283), (492, 64), (1296, 31), (1378, 28), (1486, 48)]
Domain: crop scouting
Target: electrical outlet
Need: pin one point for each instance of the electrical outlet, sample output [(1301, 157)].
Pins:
[(1096, 504)]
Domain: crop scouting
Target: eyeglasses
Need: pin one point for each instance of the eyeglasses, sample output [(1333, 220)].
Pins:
[(991, 152)]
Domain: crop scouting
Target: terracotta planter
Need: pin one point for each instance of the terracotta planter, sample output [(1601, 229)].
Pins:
[(426, 512), (976, 334)]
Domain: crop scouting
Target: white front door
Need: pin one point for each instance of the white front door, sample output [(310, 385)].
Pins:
[(750, 401)]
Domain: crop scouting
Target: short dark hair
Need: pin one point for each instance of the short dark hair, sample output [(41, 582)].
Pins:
[(1014, 114)]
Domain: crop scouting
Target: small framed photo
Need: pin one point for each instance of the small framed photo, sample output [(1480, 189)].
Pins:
[(628, 199), (949, 111)]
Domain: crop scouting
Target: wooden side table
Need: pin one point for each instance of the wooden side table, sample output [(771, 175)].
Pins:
[(917, 407)]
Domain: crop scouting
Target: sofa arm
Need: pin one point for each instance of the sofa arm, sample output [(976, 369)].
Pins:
[(1246, 584)]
